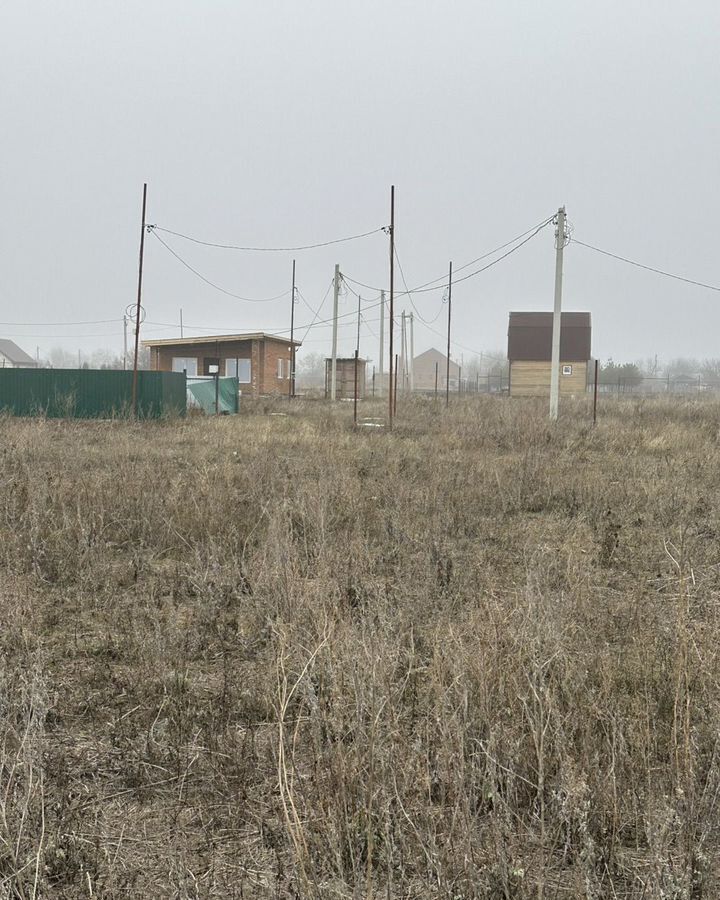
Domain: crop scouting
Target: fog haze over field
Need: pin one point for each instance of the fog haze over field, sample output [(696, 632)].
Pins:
[(281, 123)]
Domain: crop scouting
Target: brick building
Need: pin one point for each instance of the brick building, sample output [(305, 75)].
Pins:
[(261, 362)]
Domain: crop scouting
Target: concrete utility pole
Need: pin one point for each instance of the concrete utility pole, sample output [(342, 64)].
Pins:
[(382, 338), (412, 353), (403, 353), (333, 363), (557, 314), (125, 342)]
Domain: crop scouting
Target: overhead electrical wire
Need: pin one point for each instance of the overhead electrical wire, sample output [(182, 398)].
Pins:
[(212, 284), (342, 240), (59, 324), (631, 262), (409, 294), (425, 287)]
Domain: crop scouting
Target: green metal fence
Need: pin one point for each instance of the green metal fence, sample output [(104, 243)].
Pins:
[(214, 395), (90, 393)]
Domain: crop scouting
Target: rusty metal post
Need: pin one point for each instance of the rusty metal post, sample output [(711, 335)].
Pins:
[(395, 386), (139, 298), (447, 373), (392, 299), (357, 353), (291, 386), (595, 393)]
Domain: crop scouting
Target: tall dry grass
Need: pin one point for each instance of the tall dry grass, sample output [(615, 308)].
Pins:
[(269, 656)]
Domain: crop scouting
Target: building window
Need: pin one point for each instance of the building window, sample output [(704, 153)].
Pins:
[(283, 368), (240, 369), (187, 364), (567, 370)]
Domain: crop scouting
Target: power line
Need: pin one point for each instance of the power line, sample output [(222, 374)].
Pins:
[(479, 353), (187, 237), (519, 237), (425, 288), (409, 294), (212, 284), (58, 324), (631, 262)]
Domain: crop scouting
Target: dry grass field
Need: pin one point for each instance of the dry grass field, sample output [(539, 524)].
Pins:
[(267, 656)]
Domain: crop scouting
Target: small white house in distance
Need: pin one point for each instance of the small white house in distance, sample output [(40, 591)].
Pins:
[(13, 357)]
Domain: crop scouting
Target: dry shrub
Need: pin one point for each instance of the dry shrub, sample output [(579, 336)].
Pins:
[(272, 656)]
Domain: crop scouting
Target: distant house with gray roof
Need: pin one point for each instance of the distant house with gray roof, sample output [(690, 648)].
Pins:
[(14, 357)]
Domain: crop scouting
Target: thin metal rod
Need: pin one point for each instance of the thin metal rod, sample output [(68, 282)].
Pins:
[(394, 393), (291, 386), (139, 299), (392, 388), (447, 374), (381, 359), (357, 353), (595, 394), (333, 369), (436, 379)]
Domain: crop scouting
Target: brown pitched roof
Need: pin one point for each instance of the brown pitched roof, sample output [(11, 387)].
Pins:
[(530, 336)]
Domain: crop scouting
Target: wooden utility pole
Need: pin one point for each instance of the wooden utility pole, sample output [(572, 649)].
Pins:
[(392, 388), (557, 316), (447, 374), (333, 363), (138, 307), (291, 386)]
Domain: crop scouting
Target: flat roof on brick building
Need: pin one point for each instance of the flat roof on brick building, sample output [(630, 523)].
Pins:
[(219, 339)]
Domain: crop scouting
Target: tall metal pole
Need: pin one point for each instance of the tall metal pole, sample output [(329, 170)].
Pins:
[(139, 298), (357, 353), (447, 373), (412, 353), (392, 388), (333, 363), (381, 361), (557, 316), (291, 386)]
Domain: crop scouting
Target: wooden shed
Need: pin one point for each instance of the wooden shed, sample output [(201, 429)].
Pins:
[(345, 378), (530, 353)]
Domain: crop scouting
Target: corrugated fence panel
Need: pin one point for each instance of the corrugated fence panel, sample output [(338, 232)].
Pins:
[(90, 393)]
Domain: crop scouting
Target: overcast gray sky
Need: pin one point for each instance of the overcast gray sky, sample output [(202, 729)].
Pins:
[(276, 123)]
